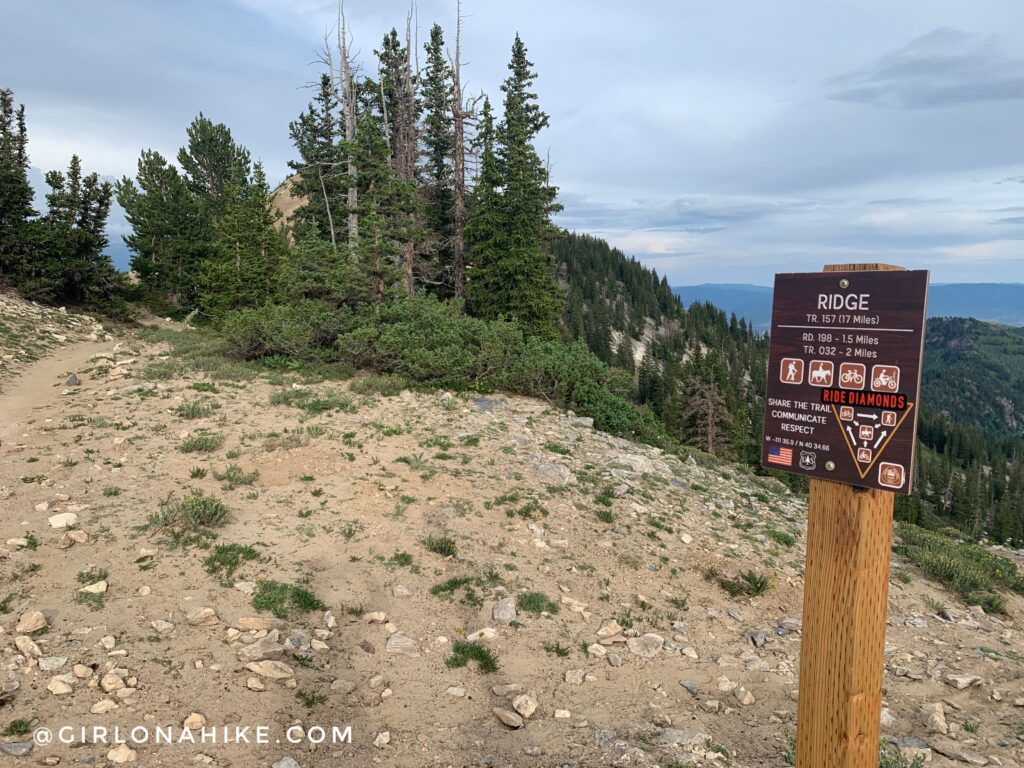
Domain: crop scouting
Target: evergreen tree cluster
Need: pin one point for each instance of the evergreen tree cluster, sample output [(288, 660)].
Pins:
[(56, 257), (700, 372)]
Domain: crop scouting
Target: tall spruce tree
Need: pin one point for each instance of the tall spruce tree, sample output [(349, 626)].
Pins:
[(212, 161), (437, 177), (75, 269), (518, 279), (247, 248), (15, 190), (484, 233), (172, 232), (320, 176), (399, 111)]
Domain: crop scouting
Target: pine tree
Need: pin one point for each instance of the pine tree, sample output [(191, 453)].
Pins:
[(320, 179), (75, 268), (399, 110), (437, 175), (212, 161), (518, 279), (485, 235), (384, 200), (172, 231), (15, 190), (247, 247)]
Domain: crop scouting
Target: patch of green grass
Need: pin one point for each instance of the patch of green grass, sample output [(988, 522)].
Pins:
[(536, 602), (282, 599), (92, 576), (228, 558), (5, 604), (605, 516), (310, 700), (204, 386), (558, 448), (780, 537), (416, 461), (19, 727), (195, 409), (197, 473), (286, 440), (401, 559), (31, 542), (189, 520), (528, 510), (441, 545), (111, 490), (202, 442), (935, 606), (463, 653), (94, 600), (384, 385), (234, 476), (557, 649), (750, 583), (313, 403)]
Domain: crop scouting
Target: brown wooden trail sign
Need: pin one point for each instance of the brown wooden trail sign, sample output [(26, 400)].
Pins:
[(826, 386), (844, 376)]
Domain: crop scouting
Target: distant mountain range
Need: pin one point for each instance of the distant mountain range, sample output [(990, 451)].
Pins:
[(992, 302)]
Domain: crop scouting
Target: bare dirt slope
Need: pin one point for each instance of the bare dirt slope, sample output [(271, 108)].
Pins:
[(621, 650)]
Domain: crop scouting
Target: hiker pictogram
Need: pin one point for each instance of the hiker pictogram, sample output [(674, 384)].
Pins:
[(885, 378), (822, 373), (852, 375), (792, 370), (888, 418)]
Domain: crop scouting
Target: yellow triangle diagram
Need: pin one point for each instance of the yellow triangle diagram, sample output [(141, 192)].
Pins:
[(846, 429)]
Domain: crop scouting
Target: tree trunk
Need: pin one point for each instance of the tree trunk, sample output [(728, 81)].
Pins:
[(349, 105), (459, 180), (406, 156)]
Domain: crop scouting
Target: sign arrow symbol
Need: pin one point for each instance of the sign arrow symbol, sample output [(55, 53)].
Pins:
[(881, 437), (871, 416), (852, 438)]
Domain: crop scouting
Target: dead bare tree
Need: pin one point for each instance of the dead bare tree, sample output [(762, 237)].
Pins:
[(459, 165)]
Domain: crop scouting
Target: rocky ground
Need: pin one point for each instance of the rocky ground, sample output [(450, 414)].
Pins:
[(29, 331), (396, 537)]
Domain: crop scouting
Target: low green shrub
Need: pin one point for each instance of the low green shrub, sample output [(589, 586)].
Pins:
[(306, 330), (974, 572)]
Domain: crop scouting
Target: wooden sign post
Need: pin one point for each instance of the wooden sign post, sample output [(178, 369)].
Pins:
[(844, 378)]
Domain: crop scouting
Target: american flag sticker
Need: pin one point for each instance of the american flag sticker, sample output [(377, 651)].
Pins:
[(779, 455)]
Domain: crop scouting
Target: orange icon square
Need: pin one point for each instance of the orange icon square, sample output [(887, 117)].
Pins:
[(846, 413), (888, 418), (822, 373), (891, 475), (852, 375), (867, 432), (864, 455), (792, 371), (885, 378)]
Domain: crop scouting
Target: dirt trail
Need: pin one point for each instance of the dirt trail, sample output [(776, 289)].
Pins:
[(40, 385)]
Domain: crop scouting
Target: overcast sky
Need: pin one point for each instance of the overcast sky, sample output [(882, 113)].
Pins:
[(716, 141)]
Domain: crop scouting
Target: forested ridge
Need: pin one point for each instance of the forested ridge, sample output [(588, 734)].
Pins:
[(419, 244)]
